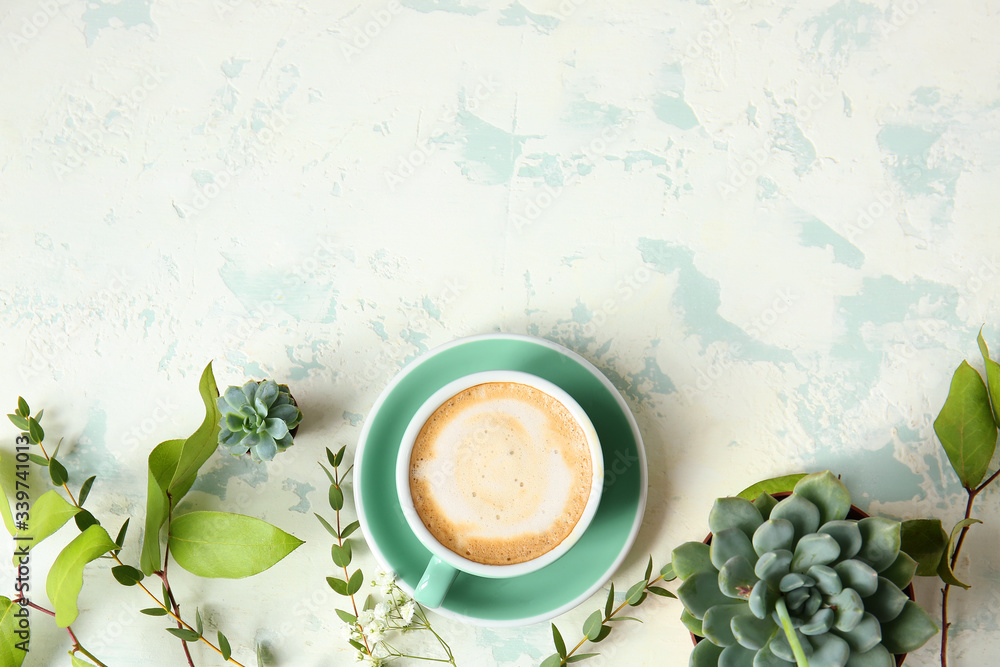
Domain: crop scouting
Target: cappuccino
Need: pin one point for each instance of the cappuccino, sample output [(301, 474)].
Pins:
[(500, 473)]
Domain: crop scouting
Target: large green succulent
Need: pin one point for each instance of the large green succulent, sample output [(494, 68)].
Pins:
[(795, 582), (258, 418)]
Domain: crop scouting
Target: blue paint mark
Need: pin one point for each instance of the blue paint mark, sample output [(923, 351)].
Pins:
[(261, 292), (698, 299), (766, 188), (669, 106), (844, 26), (228, 467), (91, 456), (202, 176), (301, 367), (919, 173), (378, 326), (126, 14), (450, 6), (170, 354), (517, 14), (633, 158), (148, 317), (878, 471), (488, 153), (353, 418), (431, 309), (543, 167), (233, 68), (584, 113), (788, 137), (813, 233), (301, 489)]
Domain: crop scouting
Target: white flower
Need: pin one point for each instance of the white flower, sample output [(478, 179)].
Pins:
[(406, 612), (384, 581), (382, 611), (346, 631), (365, 617), (375, 632)]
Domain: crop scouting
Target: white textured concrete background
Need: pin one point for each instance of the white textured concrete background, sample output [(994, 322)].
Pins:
[(771, 224)]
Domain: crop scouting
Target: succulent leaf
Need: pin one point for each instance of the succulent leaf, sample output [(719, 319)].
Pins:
[(901, 571), (877, 657), (865, 635), (880, 542), (848, 607), (908, 631), (819, 623), (717, 623), (887, 601), (827, 493), (802, 513), (705, 654), (729, 543), (762, 600), (847, 534), (734, 513), (692, 624), (700, 592), (736, 656), (772, 535), (764, 503), (737, 578), (773, 565), (827, 580), (829, 650), (814, 549), (858, 575), (753, 632), (765, 658), (691, 558), (781, 648)]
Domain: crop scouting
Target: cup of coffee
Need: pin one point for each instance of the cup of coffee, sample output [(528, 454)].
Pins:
[(499, 473)]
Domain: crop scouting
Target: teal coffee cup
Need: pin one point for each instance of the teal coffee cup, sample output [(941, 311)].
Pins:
[(499, 474)]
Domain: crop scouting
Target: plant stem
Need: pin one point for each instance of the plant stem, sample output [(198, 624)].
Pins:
[(337, 478), (612, 615), (954, 559), (793, 639), (77, 646)]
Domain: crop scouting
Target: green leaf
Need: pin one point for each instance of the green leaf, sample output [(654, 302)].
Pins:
[(165, 594), (336, 498), (227, 546), (992, 378), (185, 634), (339, 457), (908, 631), (623, 618), (126, 575), (339, 586), (827, 493), (592, 626), (55, 454), (636, 594), (781, 484), (8, 518), (161, 465), (354, 583), (350, 528), (38, 416), (48, 514), (580, 656), (925, 541), (154, 611), (20, 421), (85, 489), (120, 540), (85, 520), (227, 651), (13, 637), (691, 558), (40, 460), (79, 662), (22, 407), (965, 426), (57, 473), (662, 592), (356, 644), (558, 641), (326, 524), (202, 444), (346, 617), (198, 622), (66, 574), (554, 660), (610, 604), (341, 554), (35, 432), (603, 634), (649, 569), (944, 568), (667, 572)]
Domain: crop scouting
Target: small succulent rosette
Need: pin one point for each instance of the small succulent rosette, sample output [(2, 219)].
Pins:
[(795, 582), (258, 418)]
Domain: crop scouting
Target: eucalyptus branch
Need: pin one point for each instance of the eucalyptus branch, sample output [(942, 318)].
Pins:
[(595, 628), (77, 646)]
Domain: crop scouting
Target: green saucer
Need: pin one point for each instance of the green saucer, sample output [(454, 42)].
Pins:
[(568, 581)]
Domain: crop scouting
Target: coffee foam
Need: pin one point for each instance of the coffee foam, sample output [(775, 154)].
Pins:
[(501, 473)]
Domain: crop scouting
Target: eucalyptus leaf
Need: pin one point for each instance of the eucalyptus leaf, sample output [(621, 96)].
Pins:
[(120, 540), (35, 431), (22, 407), (85, 489), (8, 518), (20, 421), (227, 546), (558, 641), (667, 572), (592, 626), (354, 583), (339, 586), (227, 651), (202, 444), (966, 427), (126, 575), (610, 603), (662, 592), (13, 638), (349, 528), (161, 465), (579, 657), (48, 514), (40, 460), (554, 660), (85, 520), (57, 472), (199, 624), (944, 567), (339, 456), (336, 497), (346, 617), (326, 524), (341, 554), (992, 378), (76, 661), (783, 484), (65, 577), (154, 611), (185, 634), (636, 594)]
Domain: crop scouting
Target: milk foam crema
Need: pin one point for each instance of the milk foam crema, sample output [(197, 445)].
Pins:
[(501, 473)]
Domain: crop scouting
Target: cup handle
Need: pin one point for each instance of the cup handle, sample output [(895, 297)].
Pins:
[(435, 583)]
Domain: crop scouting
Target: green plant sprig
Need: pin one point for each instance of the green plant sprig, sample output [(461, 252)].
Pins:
[(967, 427), (596, 628), (367, 627), (123, 573)]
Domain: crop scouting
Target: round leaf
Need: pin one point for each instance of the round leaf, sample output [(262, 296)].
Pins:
[(908, 631), (126, 575), (827, 493), (734, 513)]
